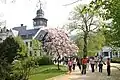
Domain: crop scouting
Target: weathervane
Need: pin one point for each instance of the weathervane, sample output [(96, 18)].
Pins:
[(40, 4)]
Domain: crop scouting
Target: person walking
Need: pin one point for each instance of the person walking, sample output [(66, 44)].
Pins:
[(96, 62), (108, 66), (70, 63), (92, 62), (101, 62), (74, 63), (84, 64), (78, 60), (88, 63)]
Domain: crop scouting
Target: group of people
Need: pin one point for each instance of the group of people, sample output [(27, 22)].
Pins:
[(85, 63)]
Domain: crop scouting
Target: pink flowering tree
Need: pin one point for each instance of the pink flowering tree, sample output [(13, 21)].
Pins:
[(56, 42)]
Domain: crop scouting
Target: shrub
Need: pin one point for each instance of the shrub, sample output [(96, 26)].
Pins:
[(44, 60), (115, 60), (21, 69)]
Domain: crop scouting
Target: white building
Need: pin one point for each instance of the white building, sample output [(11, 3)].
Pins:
[(107, 52), (4, 33), (27, 34)]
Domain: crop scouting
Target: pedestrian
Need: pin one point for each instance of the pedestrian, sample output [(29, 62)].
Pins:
[(84, 64), (74, 63), (78, 60), (70, 63), (92, 63), (87, 63), (101, 62), (108, 66), (96, 62)]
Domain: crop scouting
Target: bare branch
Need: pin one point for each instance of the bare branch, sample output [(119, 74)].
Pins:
[(93, 29), (91, 16), (72, 3), (90, 23)]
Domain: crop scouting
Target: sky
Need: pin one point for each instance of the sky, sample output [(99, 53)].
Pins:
[(23, 11)]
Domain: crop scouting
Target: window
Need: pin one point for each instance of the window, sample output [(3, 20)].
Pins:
[(35, 53), (29, 35), (26, 43), (30, 53), (30, 43), (105, 54), (23, 36)]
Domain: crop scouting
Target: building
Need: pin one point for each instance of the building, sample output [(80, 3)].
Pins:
[(27, 34), (4, 33), (108, 52)]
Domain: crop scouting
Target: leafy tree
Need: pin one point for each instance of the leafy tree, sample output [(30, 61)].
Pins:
[(112, 35), (109, 10), (22, 69), (85, 20), (56, 42), (8, 50), (37, 47), (23, 50), (95, 42)]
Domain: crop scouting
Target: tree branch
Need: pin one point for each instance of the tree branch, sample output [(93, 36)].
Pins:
[(72, 3), (93, 29), (90, 23)]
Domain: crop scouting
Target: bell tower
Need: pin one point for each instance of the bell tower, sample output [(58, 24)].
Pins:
[(39, 21)]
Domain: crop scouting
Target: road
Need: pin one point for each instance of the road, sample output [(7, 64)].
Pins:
[(76, 75)]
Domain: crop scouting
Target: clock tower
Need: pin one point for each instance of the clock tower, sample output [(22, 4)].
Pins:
[(39, 21)]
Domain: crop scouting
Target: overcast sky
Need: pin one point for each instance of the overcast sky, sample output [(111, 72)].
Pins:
[(23, 11)]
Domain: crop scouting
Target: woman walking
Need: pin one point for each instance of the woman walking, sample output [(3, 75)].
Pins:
[(74, 63), (96, 62), (101, 62), (92, 62), (70, 63)]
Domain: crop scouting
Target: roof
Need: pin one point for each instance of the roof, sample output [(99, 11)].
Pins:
[(28, 32), (24, 33)]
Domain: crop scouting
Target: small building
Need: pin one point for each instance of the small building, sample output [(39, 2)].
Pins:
[(106, 52)]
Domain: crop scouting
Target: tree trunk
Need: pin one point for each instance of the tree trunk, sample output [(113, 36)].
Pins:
[(85, 44), (58, 64)]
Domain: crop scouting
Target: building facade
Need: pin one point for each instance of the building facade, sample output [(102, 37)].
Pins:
[(27, 34), (4, 33)]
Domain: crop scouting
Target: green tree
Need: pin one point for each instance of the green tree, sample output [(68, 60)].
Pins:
[(95, 42), (8, 50), (109, 10), (37, 47), (23, 50), (113, 34), (85, 19)]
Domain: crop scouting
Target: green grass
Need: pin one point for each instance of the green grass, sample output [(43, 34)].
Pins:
[(45, 72)]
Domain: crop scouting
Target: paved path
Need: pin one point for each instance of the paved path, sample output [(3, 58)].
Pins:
[(76, 75)]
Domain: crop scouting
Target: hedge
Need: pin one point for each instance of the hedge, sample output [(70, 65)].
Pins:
[(115, 60)]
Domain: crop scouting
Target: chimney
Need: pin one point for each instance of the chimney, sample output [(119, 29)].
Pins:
[(21, 24)]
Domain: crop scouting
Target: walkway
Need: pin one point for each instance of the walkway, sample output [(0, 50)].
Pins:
[(76, 75)]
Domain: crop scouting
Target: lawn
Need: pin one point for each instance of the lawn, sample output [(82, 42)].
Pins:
[(45, 72)]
